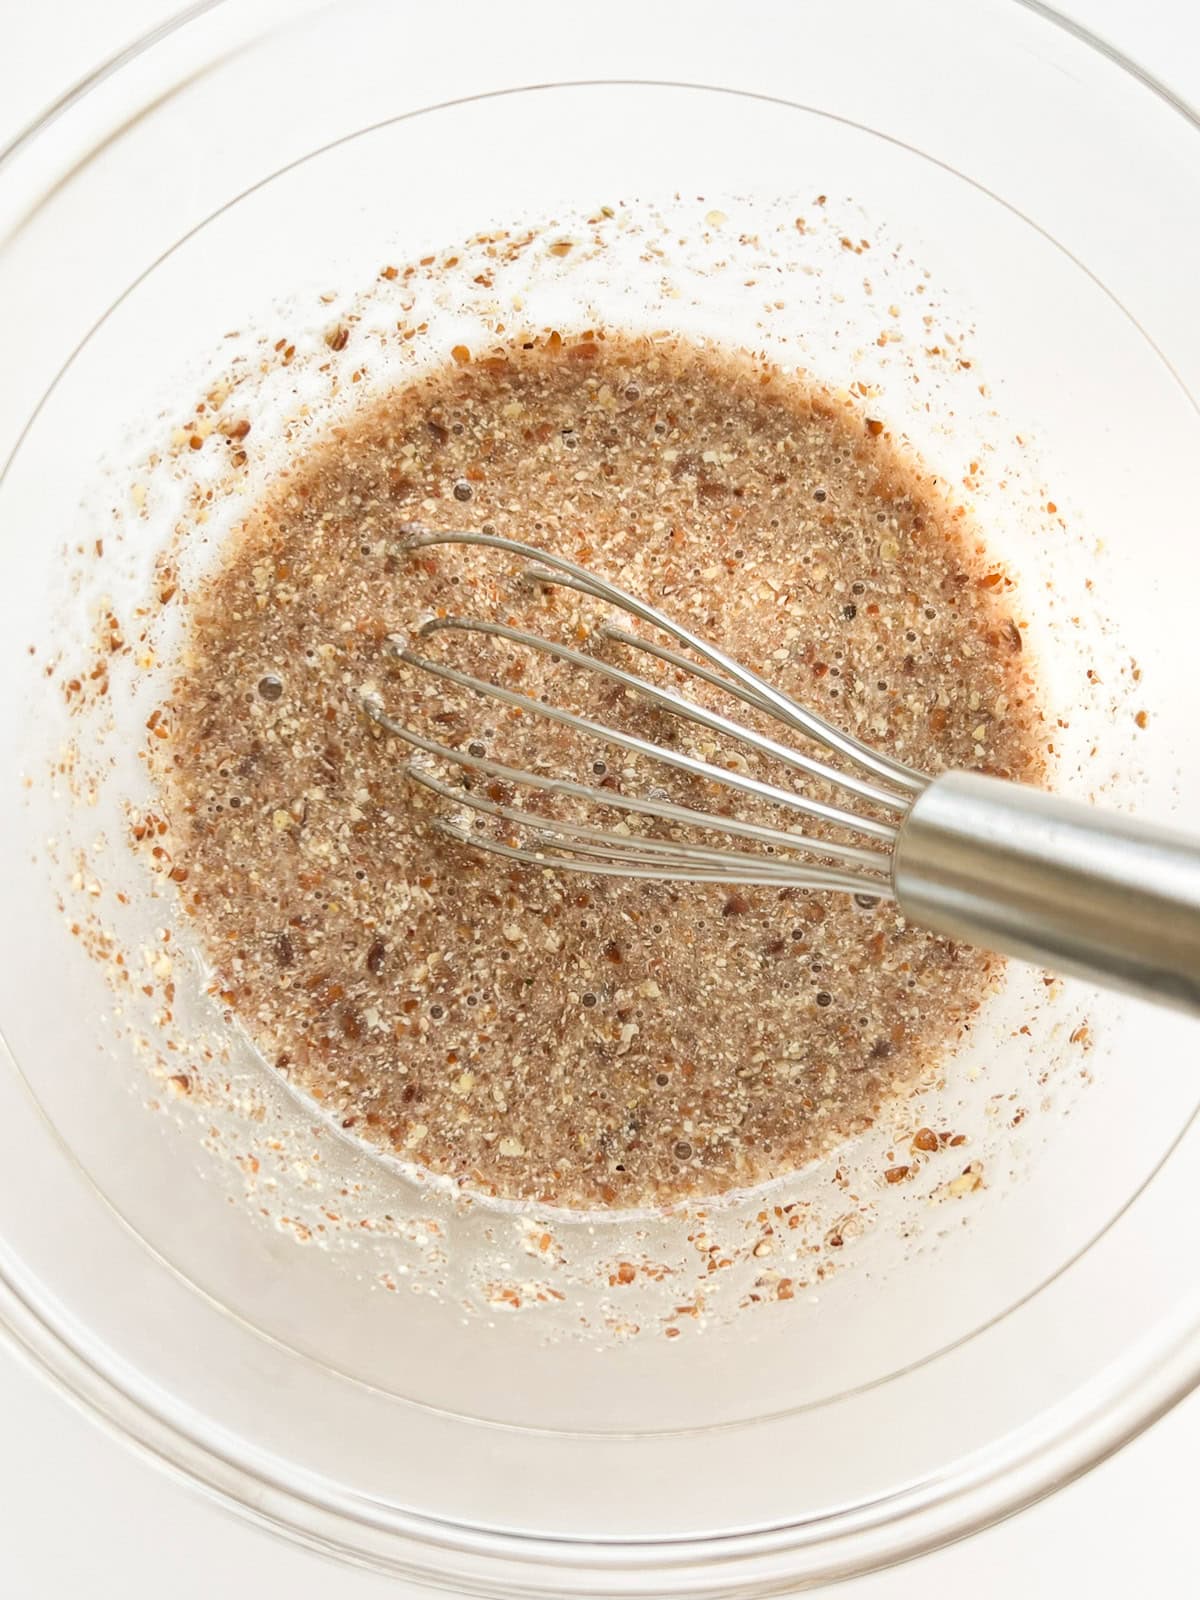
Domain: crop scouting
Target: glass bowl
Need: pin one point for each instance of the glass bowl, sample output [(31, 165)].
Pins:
[(979, 216)]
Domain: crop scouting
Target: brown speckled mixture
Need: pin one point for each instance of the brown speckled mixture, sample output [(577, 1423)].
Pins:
[(576, 1040)]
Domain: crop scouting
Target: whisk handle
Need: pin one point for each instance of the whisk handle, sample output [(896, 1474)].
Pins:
[(1053, 881)]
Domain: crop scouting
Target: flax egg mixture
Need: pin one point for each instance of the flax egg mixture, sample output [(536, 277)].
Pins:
[(544, 1035)]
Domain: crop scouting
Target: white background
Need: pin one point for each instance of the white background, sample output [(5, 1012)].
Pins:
[(80, 1515)]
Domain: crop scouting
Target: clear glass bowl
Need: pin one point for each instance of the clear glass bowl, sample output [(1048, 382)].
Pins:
[(169, 1267)]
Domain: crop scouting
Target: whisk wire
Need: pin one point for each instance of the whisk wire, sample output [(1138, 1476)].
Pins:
[(785, 708), (677, 704), (789, 857), (679, 759), (806, 878), (673, 659), (856, 856), (556, 834)]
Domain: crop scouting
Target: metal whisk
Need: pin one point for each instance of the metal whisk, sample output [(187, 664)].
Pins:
[(975, 858)]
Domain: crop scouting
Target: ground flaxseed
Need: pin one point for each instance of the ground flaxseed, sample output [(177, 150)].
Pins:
[(574, 1040)]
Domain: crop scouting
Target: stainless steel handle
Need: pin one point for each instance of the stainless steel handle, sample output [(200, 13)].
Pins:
[(1056, 882)]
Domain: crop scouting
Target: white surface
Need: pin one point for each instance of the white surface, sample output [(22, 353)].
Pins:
[(80, 1515)]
